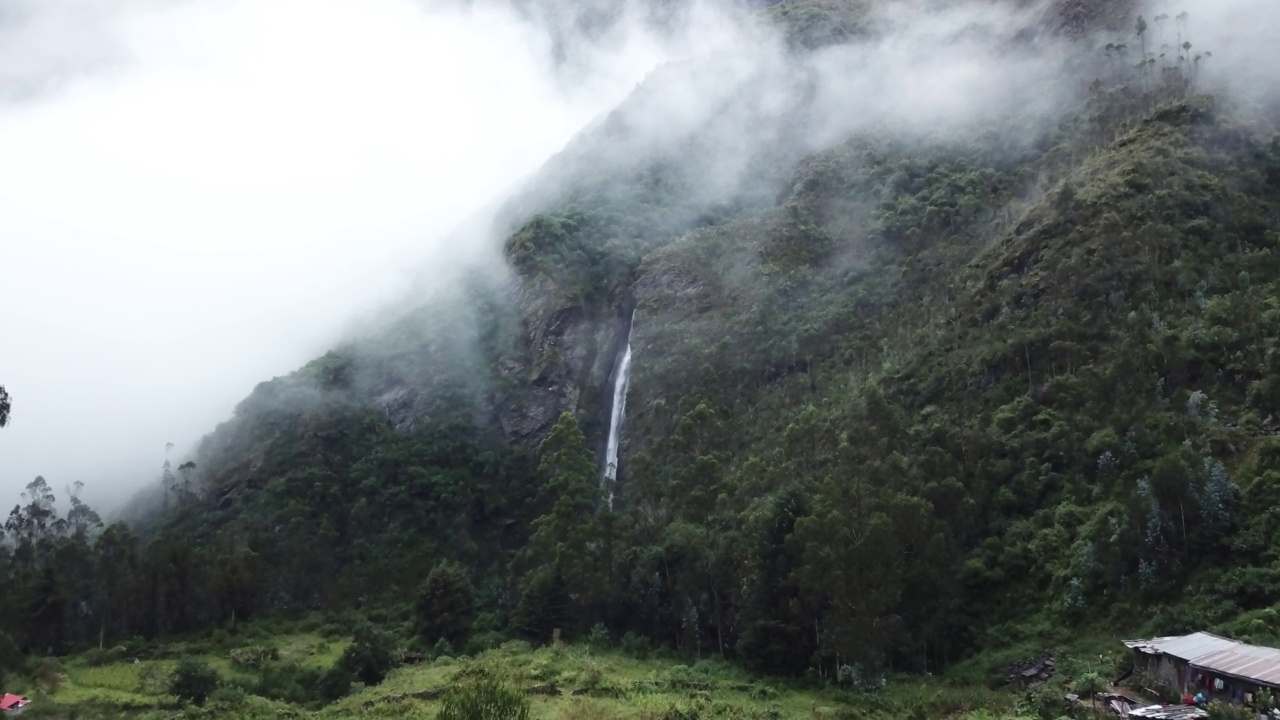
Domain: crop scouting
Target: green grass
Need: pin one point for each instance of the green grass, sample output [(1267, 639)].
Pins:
[(604, 684), (134, 684), (565, 682), (116, 684)]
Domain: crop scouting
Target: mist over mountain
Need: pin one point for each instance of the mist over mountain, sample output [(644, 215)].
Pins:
[(204, 194), (831, 337)]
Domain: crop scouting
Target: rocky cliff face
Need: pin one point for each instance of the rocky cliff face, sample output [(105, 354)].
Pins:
[(565, 364)]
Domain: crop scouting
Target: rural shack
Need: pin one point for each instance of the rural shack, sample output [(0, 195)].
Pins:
[(1222, 668), (12, 705)]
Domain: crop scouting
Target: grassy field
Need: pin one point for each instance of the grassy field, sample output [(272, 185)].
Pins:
[(564, 682), (581, 682)]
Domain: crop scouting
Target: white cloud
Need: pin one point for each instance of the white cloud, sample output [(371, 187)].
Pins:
[(200, 195)]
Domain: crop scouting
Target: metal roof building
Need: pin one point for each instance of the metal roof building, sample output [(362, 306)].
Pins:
[(1169, 712), (1210, 653)]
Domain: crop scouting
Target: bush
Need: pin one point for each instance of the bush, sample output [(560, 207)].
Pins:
[(679, 675), (544, 670), (857, 677), (1045, 703), (366, 660), (228, 696), (291, 684), (1227, 711), (254, 657), (482, 641), (193, 681), (47, 672), (592, 677), (636, 646), (335, 683), (136, 646), (598, 637), (763, 693), (152, 680), (484, 698), (516, 647), (98, 657)]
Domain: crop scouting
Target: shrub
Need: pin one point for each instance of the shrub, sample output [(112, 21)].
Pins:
[(254, 657), (1045, 703), (136, 646), (47, 672), (679, 674), (635, 645), (484, 698), (544, 670), (482, 641), (98, 657), (290, 683), (152, 680), (857, 677), (368, 658), (763, 693), (516, 647), (335, 683), (193, 681), (228, 696), (592, 677), (598, 636), (1227, 711), (1090, 684)]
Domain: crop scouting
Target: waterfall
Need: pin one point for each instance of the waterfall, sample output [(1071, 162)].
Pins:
[(620, 383)]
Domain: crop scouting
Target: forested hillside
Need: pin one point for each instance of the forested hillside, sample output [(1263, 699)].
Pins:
[(897, 396)]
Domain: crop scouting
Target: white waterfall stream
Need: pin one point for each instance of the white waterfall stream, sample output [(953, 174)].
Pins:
[(620, 383)]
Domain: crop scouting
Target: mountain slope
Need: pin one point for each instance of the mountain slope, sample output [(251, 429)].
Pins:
[(896, 397), (992, 342), (1070, 406)]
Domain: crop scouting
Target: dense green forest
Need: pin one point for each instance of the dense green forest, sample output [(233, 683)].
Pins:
[(900, 402)]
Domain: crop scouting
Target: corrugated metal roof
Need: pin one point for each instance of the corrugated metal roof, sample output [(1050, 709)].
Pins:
[(1248, 662), (1168, 712), (1149, 645), (1184, 647), (1209, 652)]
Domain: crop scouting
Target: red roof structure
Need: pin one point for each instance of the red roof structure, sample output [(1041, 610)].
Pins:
[(9, 703)]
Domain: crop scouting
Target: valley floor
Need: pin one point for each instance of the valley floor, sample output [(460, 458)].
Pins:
[(566, 681)]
